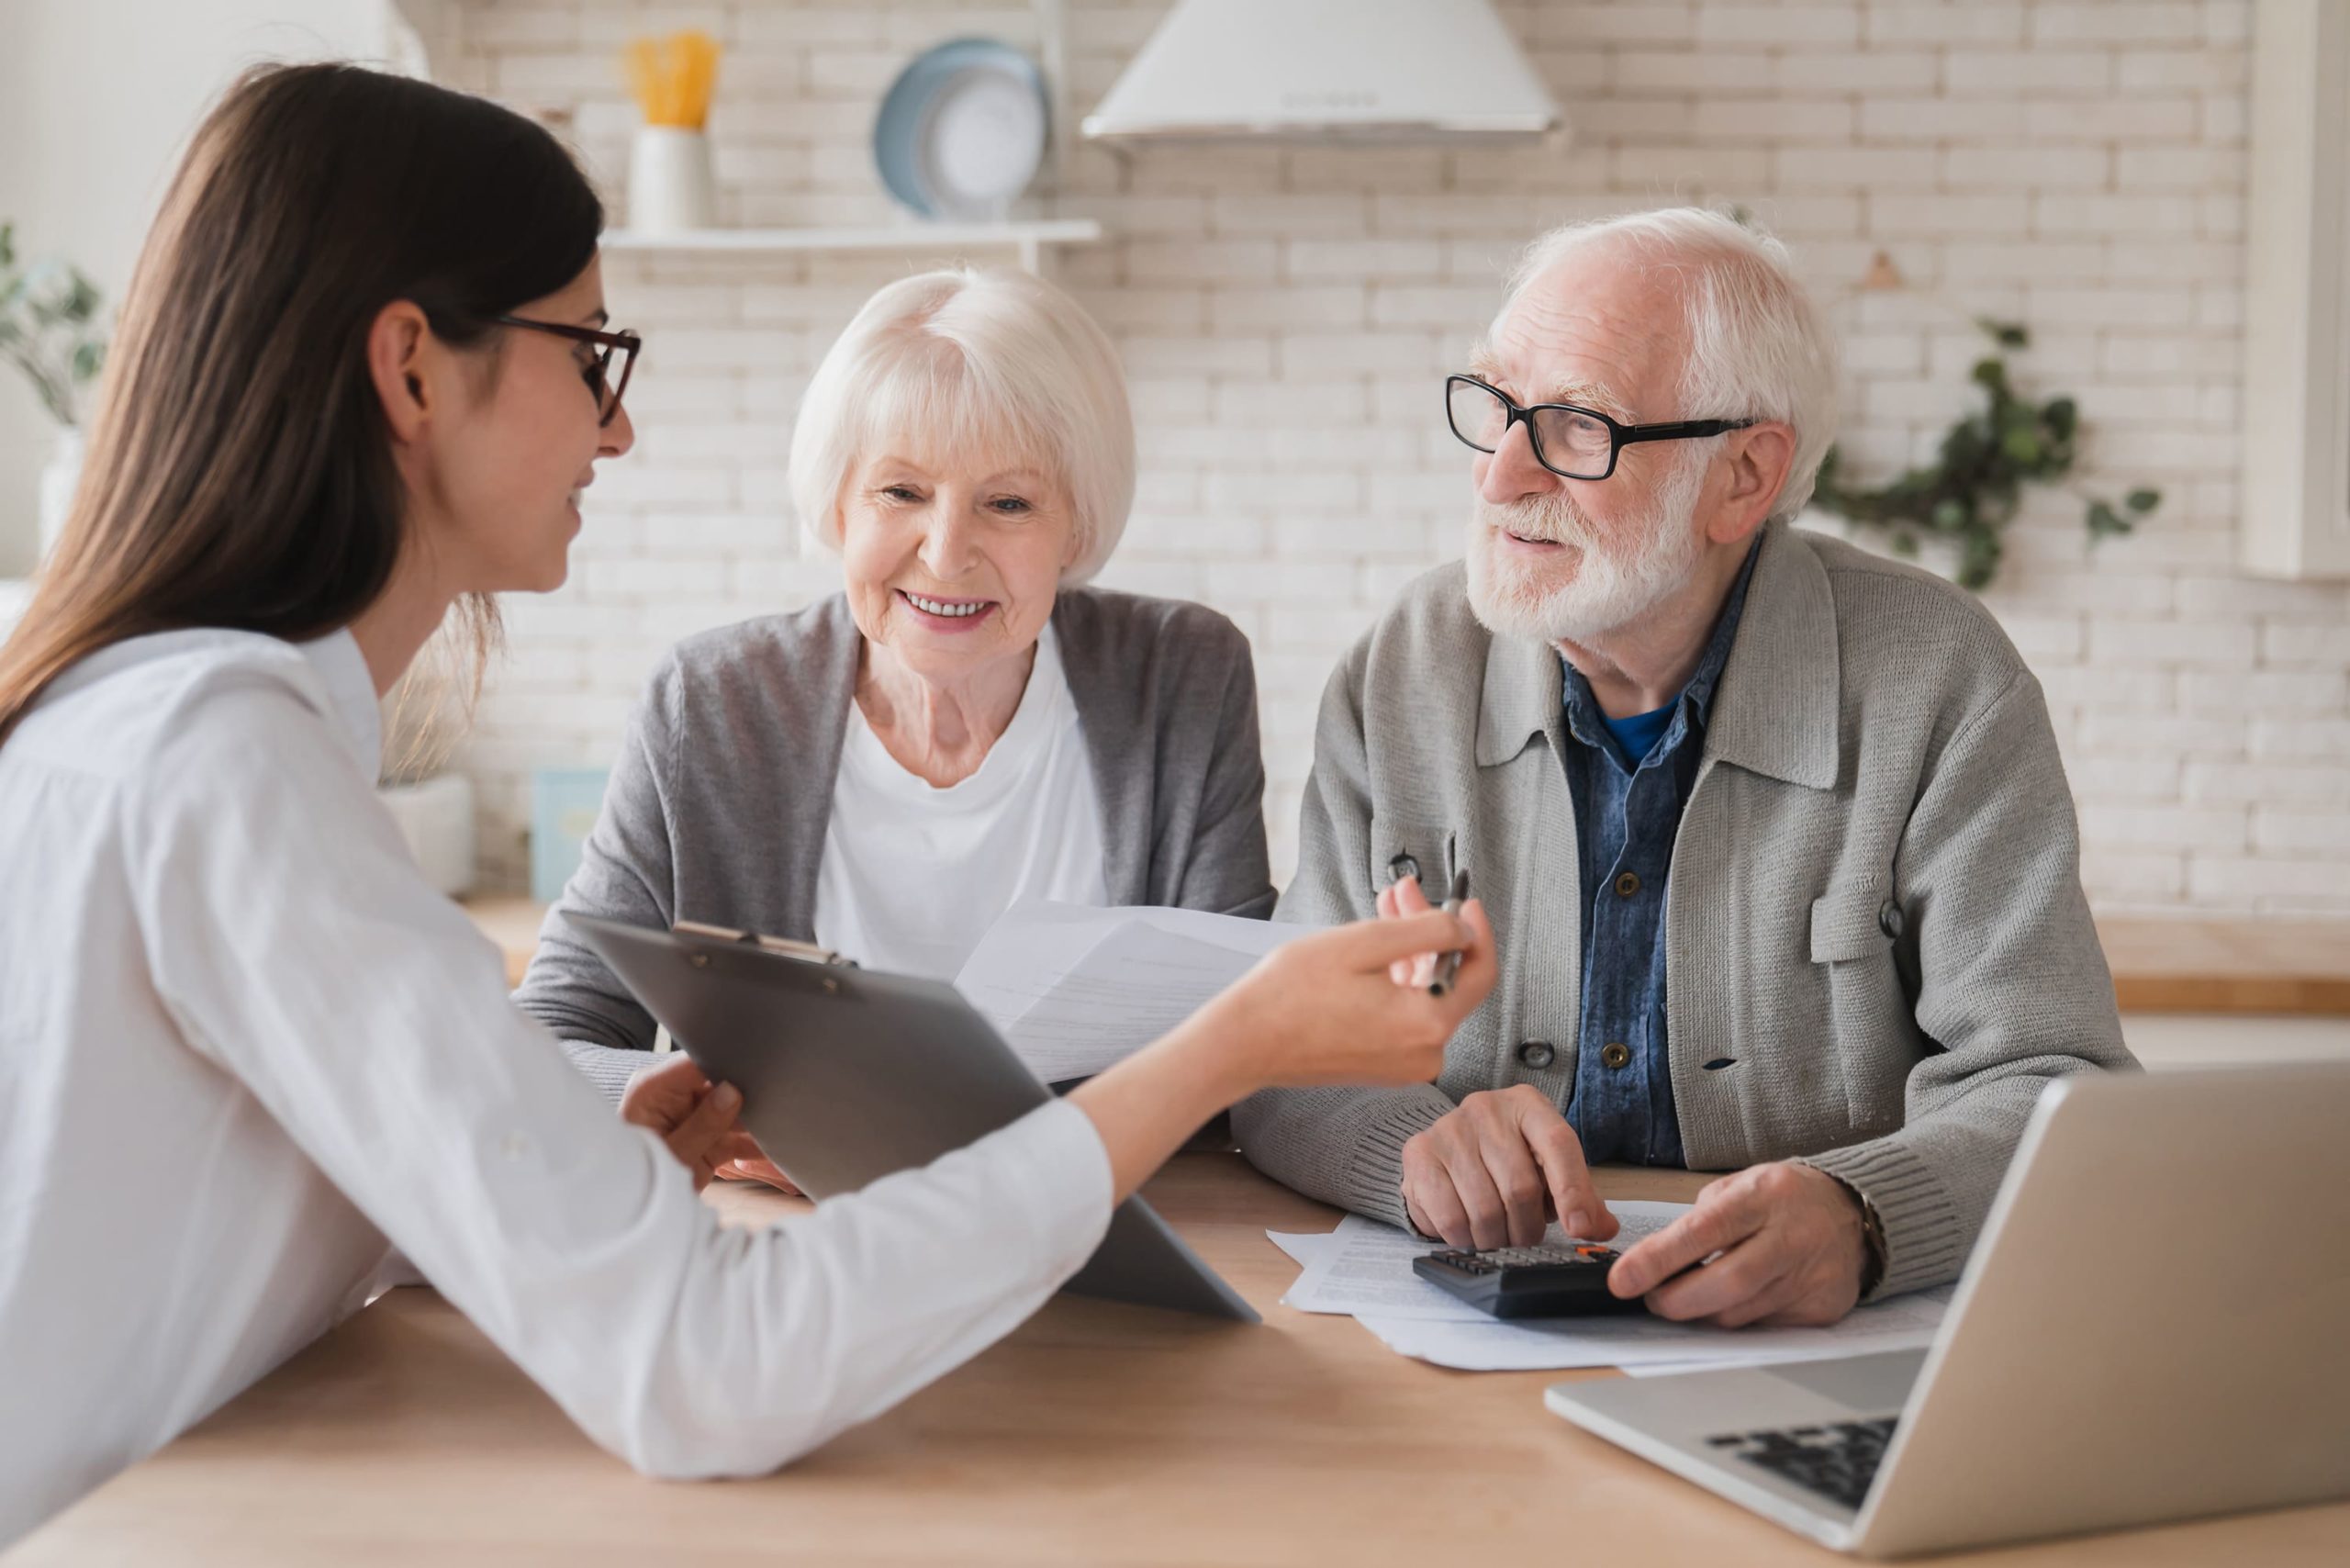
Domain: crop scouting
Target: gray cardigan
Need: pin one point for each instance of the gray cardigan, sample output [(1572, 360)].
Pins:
[(1878, 950), (719, 800)]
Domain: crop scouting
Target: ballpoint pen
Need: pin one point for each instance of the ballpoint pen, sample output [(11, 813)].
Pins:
[(1448, 966)]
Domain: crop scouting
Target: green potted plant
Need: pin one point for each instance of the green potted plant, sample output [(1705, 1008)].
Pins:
[(49, 330), (1963, 499)]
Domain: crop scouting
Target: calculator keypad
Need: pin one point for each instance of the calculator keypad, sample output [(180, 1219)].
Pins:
[(1491, 1259)]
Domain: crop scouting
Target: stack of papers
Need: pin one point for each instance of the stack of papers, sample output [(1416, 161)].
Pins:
[(1076, 990), (1363, 1270)]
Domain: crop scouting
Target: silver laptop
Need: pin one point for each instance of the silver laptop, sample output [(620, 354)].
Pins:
[(850, 1074), (2154, 1324)]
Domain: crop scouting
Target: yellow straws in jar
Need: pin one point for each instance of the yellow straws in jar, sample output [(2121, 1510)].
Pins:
[(673, 77)]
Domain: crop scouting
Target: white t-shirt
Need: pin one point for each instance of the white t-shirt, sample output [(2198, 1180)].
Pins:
[(913, 875), (245, 1048)]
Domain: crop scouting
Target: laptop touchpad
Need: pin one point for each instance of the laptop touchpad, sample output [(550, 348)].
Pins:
[(1872, 1385)]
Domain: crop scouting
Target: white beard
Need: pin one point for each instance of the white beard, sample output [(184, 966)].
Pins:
[(1517, 598)]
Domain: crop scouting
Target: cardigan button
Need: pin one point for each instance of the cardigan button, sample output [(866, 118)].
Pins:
[(1891, 921), (1403, 868), (1615, 1056), (1536, 1054)]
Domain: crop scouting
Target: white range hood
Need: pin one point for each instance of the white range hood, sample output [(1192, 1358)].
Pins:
[(1351, 69)]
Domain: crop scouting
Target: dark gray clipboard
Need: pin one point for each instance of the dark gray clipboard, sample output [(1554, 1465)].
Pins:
[(849, 1074)]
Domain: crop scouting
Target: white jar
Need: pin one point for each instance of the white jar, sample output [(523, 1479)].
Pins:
[(436, 817), (670, 187)]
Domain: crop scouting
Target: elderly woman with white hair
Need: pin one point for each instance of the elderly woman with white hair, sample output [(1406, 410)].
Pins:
[(965, 724)]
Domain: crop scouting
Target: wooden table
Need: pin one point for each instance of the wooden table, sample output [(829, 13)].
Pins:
[(1096, 1434)]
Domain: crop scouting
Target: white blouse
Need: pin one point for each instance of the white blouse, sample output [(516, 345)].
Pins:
[(245, 1049), (913, 875)]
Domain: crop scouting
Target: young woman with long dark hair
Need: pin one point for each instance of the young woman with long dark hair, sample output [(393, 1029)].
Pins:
[(246, 1051)]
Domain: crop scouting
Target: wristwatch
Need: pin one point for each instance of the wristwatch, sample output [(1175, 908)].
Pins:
[(1873, 1235)]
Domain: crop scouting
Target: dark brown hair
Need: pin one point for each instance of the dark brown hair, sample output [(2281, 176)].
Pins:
[(239, 473)]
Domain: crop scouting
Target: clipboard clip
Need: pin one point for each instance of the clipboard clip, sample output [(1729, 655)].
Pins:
[(807, 952)]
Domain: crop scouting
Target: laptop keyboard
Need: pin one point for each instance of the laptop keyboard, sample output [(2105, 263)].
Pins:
[(1837, 1459)]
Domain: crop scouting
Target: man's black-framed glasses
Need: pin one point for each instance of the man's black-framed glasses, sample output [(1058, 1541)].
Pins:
[(1571, 441), (609, 388)]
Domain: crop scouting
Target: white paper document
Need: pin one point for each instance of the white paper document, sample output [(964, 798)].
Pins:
[(1645, 1344), (1364, 1269), (1075, 989), (1301, 1245)]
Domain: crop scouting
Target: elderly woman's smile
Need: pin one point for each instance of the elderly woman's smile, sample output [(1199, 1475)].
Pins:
[(956, 613), (952, 562)]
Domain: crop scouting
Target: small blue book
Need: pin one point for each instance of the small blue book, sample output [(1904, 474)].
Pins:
[(565, 804)]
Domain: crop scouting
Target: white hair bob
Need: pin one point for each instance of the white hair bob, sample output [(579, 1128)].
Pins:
[(973, 360), (1758, 349)]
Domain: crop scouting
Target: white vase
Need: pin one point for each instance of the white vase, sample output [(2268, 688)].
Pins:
[(436, 817), (58, 476), (670, 187)]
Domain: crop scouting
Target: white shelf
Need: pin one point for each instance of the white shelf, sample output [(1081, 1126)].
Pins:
[(1027, 239)]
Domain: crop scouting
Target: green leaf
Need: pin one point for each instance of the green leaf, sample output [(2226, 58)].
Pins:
[(87, 359), (1979, 562), (2142, 500), (2103, 520), (2007, 334)]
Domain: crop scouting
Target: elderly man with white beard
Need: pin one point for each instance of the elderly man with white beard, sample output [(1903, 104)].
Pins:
[(1773, 833)]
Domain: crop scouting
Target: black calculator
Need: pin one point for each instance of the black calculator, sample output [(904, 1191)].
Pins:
[(1529, 1281)]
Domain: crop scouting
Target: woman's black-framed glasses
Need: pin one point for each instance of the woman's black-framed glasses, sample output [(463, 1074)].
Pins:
[(609, 389), (1571, 441)]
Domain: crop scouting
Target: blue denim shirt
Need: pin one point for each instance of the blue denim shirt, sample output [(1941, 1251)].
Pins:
[(1627, 812)]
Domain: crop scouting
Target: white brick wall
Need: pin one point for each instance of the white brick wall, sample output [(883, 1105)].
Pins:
[(1285, 312)]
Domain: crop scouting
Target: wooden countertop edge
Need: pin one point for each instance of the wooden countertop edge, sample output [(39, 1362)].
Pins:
[(2284, 996)]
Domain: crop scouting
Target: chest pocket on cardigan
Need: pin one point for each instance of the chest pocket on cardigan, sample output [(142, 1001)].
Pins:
[(1853, 928), (1400, 847)]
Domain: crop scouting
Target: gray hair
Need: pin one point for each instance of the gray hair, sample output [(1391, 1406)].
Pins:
[(1757, 348), (967, 357)]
